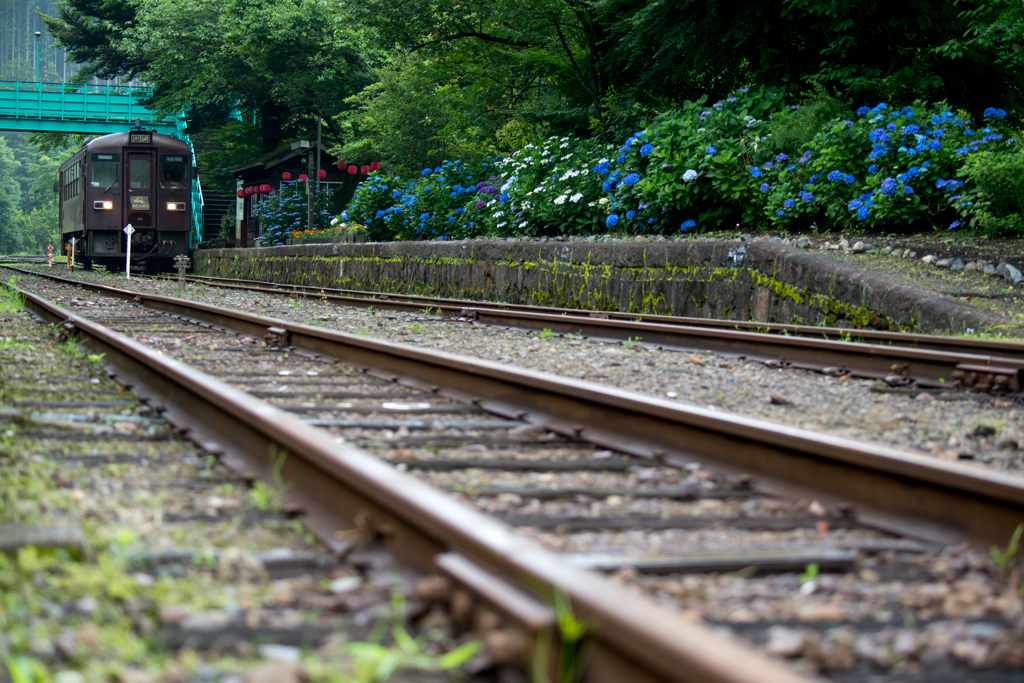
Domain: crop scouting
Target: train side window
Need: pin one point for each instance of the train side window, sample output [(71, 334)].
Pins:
[(106, 170), (139, 174), (172, 171)]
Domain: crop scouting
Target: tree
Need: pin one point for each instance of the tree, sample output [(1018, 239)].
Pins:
[(10, 200), (91, 31)]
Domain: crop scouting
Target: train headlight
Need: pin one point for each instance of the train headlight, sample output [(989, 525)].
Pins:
[(103, 206), (175, 206)]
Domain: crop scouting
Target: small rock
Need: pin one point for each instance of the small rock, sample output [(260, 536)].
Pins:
[(983, 430), (989, 269), (885, 250), (346, 584), (906, 644), (280, 653), (844, 245), (238, 566), (1007, 444), (775, 240), (68, 677), (276, 672), (944, 262), (925, 398), (779, 400), (1013, 275), (929, 259), (868, 246), (672, 394), (87, 605), (143, 579), (858, 247), (971, 267), (957, 265), (804, 242), (912, 254), (906, 253), (784, 641), (971, 652), (171, 615)]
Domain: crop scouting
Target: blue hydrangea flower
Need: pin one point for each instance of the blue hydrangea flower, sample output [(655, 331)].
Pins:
[(806, 196), (863, 110), (646, 150), (854, 204), (756, 172), (652, 220), (396, 194), (878, 135), (472, 225), (782, 157), (789, 203), (890, 126), (848, 178), (835, 176), (873, 169), (620, 159), (780, 212), (912, 129), (993, 113), (380, 213), (765, 187), (686, 225), (907, 189), (612, 220), (863, 213), (768, 165), (954, 225), (888, 186), (426, 171), (711, 151), (630, 215), (459, 210), (451, 219), (504, 197), (631, 179)]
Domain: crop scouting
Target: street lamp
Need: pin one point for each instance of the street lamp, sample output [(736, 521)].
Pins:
[(38, 33)]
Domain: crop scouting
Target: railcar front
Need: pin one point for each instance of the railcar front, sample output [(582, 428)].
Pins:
[(138, 178)]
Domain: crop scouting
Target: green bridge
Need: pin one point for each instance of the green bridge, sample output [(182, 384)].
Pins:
[(82, 109)]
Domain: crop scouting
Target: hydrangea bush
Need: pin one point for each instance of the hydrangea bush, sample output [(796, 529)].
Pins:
[(287, 210), (706, 166)]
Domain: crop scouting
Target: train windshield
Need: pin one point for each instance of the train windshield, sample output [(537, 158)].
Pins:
[(139, 171), (105, 170), (172, 171)]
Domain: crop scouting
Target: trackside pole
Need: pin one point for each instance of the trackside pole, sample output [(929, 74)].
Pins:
[(128, 230)]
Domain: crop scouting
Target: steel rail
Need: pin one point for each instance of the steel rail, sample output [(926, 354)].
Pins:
[(458, 307), (338, 485), (899, 364), (893, 490)]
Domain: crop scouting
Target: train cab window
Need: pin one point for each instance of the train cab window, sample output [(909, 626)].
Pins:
[(106, 170), (172, 171), (139, 171)]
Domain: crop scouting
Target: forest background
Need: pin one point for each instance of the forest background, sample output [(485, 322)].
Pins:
[(417, 82)]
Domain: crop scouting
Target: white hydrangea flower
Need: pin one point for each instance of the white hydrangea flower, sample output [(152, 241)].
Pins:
[(576, 197), (563, 145), (603, 200), (334, 221), (561, 199), (499, 214), (502, 224), (690, 175), (539, 189), (524, 224), (603, 160), (591, 204)]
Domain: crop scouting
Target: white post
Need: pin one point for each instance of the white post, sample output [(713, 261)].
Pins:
[(128, 230), (71, 256)]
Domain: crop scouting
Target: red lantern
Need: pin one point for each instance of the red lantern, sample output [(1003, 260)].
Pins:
[(240, 194), (286, 176), (341, 165), (302, 177), (321, 174), (266, 188), (375, 166), (365, 170), (352, 170), (248, 191)]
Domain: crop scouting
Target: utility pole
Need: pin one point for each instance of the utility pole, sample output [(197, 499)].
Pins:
[(310, 174), (318, 122), (38, 33)]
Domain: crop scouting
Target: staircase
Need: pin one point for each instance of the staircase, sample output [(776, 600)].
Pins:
[(214, 208)]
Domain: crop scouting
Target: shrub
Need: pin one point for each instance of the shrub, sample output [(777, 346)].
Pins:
[(704, 166), (287, 210)]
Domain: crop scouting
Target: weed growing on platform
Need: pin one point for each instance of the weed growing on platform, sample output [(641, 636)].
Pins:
[(1004, 558)]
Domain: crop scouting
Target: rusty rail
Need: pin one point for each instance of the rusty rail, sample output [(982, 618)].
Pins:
[(336, 485)]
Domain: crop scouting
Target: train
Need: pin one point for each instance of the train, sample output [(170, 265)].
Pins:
[(140, 178)]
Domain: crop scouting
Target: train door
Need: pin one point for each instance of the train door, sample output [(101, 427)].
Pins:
[(139, 193)]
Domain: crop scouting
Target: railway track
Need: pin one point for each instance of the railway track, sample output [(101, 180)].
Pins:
[(616, 482)]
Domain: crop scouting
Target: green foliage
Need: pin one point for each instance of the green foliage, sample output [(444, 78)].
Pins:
[(287, 211), (1005, 558), (810, 573), (995, 178)]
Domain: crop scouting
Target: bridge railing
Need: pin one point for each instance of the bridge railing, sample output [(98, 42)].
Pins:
[(77, 102)]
